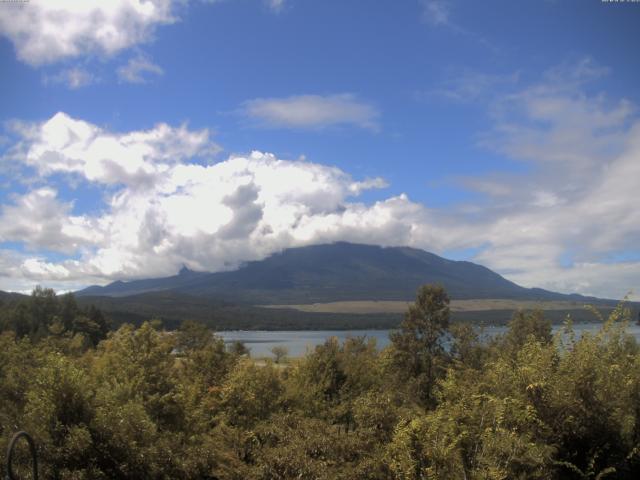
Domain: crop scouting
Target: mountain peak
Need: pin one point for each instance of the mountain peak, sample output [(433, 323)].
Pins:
[(339, 271)]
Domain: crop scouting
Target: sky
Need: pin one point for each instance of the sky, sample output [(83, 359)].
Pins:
[(141, 136)]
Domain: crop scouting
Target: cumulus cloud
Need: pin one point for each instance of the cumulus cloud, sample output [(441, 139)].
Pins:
[(312, 111), (44, 32), (138, 69), (214, 217), (42, 222), (557, 227), (66, 145), (168, 210), (47, 31), (20, 272)]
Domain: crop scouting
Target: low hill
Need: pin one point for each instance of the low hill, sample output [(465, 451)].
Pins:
[(10, 297)]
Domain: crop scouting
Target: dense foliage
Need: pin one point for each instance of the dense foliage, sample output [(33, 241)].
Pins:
[(438, 403)]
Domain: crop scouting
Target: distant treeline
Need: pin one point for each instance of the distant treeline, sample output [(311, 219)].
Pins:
[(173, 308), (143, 403)]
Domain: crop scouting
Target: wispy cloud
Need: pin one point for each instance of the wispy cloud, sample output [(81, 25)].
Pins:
[(275, 5), (580, 194), (436, 12), (72, 78), (138, 69), (312, 111), (466, 86), (439, 14)]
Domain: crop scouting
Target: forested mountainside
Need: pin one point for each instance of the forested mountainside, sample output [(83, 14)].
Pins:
[(334, 272)]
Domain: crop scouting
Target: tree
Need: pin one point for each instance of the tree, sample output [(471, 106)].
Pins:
[(467, 348), (193, 336), (139, 364), (280, 353), (418, 352), (239, 349), (98, 325), (321, 375), (525, 325), (250, 393), (46, 315), (58, 413)]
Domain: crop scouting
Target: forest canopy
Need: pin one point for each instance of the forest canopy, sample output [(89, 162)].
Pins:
[(144, 403)]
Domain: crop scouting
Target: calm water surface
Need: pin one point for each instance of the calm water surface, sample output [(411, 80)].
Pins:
[(260, 342)]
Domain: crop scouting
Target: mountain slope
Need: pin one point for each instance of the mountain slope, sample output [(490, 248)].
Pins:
[(9, 297), (123, 289), (335, 272)]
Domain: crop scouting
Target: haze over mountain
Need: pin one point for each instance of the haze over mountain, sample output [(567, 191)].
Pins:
[(335, 272)]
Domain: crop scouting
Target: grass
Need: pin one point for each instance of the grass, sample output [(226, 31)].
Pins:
[(388, 306)]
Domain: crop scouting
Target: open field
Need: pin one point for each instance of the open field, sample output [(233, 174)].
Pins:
[(480, 305)]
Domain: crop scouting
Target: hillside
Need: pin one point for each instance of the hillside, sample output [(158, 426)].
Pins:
[(8, 297), (336, 272)]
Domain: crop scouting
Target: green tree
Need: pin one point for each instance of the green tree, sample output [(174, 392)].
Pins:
[(417, 347), (250, 393), (138, 364), (192, 336), (466, 347), (58, 413), (525, 324)]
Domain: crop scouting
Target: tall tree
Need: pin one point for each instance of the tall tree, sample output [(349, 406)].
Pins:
[(418, 353)]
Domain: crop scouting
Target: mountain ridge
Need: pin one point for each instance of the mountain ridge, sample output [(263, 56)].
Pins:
[(336, 272)]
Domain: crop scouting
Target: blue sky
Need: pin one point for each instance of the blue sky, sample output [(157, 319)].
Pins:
[(498, 132)]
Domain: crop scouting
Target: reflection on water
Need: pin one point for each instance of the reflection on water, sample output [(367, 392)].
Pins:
[(260, 342)]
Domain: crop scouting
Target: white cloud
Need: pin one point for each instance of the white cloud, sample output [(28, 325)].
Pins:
[(545, 199), (42, 222), (73, 78), (581, 195), (66, 145), (312, 111), (47, 31), (136, 69), (212, 217), (436, 12), (275, 5), (21, 272), (468, 86), (169, 211), (579, 200)]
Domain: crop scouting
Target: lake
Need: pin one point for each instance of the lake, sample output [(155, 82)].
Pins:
[(260, 342)]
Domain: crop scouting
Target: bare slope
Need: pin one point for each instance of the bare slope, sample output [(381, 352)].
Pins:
[(393, 306)]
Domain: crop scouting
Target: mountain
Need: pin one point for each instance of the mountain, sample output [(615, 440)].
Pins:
[(123, 289), (335, 272), (9, 297)]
